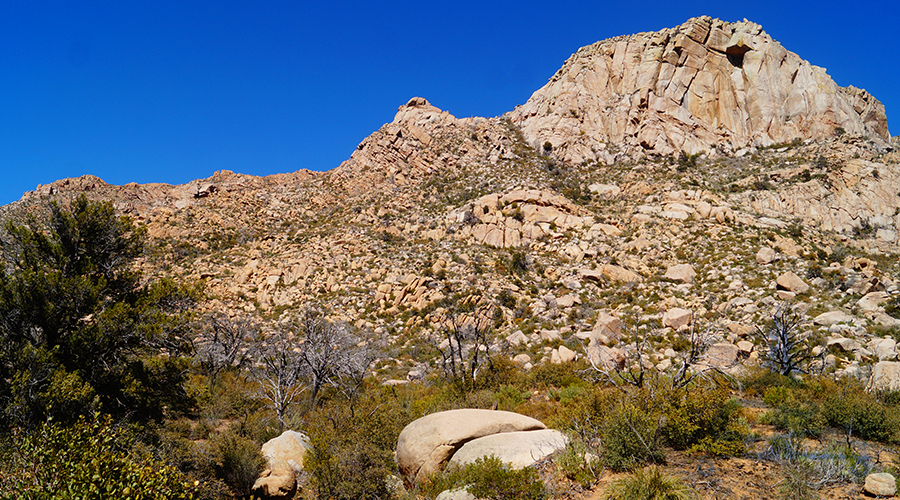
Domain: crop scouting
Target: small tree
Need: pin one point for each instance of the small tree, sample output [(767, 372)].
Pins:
[(331, 354), (70, 296), (786, 349), (280, 373), (466, 331), (225, 344)]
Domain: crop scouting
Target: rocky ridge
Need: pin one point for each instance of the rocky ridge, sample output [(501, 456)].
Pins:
[(571, 252), (705, 85)]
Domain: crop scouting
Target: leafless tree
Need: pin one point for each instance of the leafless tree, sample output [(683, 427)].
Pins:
[(634, 368), (787, 349), (463, 349), (331, 354), (225, 343), (279, 371)]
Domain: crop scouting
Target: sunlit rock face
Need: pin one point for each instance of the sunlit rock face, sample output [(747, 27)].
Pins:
[(705, 84)]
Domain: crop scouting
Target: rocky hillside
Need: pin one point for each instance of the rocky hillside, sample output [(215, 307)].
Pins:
[(587, 215), (704, 85)]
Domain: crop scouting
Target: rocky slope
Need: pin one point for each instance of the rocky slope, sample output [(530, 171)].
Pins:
[(705, 85), (571, 249)]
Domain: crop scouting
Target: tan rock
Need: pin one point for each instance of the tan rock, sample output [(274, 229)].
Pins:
[(722, 355), (870, 302), (277, 482), (426, 444), (673, 91), (608, 325), (765, 255), (677, 317), (290, 447), (566, 355), (885, 376), (606, 358), (519, 449), (881, 484), (521, 359), (832, 317), (792, 283), (681, 272)]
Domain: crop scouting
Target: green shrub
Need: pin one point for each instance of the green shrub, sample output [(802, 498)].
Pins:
[(238, 461), (491, 479), (90, 459), (792, 413), (630, 437), (579, 464), (703, 419), (650, 484), (859, 413)]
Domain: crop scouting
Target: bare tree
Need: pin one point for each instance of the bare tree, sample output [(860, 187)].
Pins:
[(463, 350), (633, 366), (226, 343), (786, 348), (332, 355), (279, 371)]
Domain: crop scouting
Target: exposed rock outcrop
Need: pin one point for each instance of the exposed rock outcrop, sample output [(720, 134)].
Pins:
[(705, 84)]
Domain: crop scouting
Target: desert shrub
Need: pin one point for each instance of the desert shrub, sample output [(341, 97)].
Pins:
[(703, 419), (89, 459), (547, 375), (489, 478), (756, 380), (345, 471), (506, 299), (351, 447), (796, 484), (631, 438), (838, 463), (860, 413), (238, 461), (579, 463), (892, 306), (650, 484), (792, 414)]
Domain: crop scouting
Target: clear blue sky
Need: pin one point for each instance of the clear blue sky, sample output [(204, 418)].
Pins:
[(173, 91)]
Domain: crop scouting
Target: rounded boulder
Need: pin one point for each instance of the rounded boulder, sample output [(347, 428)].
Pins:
[(426, 444)]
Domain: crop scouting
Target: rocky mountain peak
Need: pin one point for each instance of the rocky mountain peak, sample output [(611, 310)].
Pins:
[(702, 86)]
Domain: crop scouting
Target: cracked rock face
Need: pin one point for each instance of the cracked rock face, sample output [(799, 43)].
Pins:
[(703, 85)]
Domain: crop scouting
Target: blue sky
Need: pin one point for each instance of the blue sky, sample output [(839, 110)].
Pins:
[(173, 91)]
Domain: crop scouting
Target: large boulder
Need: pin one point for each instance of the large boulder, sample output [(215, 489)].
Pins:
[(608, 325), (885, 376), (681, 272), (791, 282), (519, 449), (276, 482), (426, 444), (677, 317), (284, 456), (289, 447)]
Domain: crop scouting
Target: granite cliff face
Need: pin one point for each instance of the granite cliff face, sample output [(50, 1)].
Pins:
[(705, 85)]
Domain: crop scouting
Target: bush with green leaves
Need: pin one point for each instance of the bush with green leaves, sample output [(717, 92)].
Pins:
[(491, 479), (90, 459), (650, 484), (631, 437), (79, 330), (792, 414), (704, 419), (238, 461), (858, 413)]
